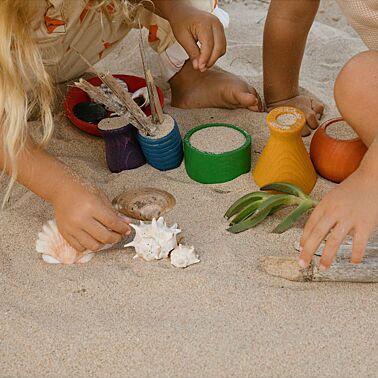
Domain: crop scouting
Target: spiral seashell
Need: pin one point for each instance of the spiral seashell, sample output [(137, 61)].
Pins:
[(183, 256), (154, 241)]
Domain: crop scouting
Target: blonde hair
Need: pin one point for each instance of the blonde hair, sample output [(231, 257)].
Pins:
[(24, 83)]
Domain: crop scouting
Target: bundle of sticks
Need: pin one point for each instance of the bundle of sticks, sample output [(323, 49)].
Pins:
[(147, 126)]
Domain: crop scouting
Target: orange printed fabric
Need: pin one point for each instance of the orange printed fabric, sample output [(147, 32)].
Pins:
[(54, 20)]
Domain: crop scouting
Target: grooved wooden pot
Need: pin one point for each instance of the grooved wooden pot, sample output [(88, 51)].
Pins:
[(285, 158), (335, 159)]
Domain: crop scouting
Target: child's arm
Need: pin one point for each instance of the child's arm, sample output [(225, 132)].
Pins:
[(286, 29), (84, 217), (191, 25)]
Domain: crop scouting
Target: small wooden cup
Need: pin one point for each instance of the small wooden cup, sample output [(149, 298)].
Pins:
[(335, 159)]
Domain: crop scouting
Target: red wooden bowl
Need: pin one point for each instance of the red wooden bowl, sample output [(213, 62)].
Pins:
[(335, 159), (76, 95)]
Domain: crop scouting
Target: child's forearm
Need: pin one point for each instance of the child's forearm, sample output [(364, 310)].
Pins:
[(40, 172), (286, 29), (165, 8)]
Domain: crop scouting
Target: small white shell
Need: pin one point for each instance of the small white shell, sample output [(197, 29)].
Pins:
[(143, 93), (154, 241), (183, 256), (55, 249)]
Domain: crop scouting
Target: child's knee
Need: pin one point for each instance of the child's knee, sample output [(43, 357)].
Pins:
[(358, 80)]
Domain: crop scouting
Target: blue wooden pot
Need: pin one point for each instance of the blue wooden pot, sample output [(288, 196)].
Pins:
[(164, 153)]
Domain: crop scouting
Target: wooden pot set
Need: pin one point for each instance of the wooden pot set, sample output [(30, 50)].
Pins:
[(285, 158)]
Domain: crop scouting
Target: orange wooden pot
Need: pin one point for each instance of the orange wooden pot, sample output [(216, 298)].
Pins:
[(335, 159), (284, 157)]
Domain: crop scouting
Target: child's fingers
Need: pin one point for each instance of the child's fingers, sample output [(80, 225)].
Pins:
[(206, 38), (189, 44), (360, 241), (103, 235), (73, 242), (332, 245), (87, 241), (112, 221), (220, 44)]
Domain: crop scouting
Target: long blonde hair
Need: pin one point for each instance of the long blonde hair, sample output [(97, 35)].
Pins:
[(24, 83)]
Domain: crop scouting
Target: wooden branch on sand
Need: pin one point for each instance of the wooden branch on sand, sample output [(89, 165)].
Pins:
[(342, 270)]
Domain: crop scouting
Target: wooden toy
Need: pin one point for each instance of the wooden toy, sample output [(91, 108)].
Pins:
[(285, 158), (335, 159)]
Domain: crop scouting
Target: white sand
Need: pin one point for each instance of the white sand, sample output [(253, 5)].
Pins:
[(223, 317), (217, 140), (341, 131)]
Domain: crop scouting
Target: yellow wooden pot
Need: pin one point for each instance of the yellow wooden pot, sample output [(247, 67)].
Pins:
[(285, 158)]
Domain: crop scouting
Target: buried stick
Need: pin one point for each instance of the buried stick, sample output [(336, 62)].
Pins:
[(342, 270)]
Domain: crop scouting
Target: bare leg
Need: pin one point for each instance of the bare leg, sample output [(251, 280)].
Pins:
[(214, 88), (350, 208), (356, 94)]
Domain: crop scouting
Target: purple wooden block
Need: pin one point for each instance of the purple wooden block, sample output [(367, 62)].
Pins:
[(122, 149)]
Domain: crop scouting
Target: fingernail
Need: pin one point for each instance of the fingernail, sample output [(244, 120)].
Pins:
[(128, 232), (195, 64), (322, 267), (125, 218), (302, 263)]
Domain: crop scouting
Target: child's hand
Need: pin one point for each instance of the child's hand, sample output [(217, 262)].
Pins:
[(190, 25), (351, 208), (85, 218), (312, 108)]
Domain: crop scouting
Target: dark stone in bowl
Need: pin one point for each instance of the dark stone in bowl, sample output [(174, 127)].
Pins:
[(90, 112)]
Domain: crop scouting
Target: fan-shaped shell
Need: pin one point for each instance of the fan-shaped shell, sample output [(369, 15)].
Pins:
[(55, 249), (144, 203)]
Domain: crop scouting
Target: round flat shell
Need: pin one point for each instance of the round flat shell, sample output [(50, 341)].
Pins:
[(144, 203)]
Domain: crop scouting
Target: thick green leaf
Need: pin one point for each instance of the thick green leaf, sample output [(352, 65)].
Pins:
[(250, 222), (244, 201), (285, 187), (246, 212), (293, 217), (268, 205)]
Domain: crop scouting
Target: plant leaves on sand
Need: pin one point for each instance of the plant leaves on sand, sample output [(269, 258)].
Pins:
[(253, 208)]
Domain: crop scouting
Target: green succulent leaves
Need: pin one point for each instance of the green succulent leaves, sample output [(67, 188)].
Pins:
[(253, 208)]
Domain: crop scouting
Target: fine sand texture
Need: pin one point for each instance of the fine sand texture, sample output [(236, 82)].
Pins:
[(223, 317)]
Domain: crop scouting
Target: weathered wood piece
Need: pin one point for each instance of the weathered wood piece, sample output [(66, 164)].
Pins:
[(142, 122), (156, 109), (342, 270), (96, 94)]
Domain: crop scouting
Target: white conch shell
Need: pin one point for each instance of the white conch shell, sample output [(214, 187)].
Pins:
[(183, 256), (142, 92), (154, 241), (55, 249)]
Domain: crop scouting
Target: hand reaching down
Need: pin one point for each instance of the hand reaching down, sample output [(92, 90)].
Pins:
[(86, 219), (350, 209)]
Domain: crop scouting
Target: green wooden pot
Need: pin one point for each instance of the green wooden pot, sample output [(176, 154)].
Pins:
[(211, 168)]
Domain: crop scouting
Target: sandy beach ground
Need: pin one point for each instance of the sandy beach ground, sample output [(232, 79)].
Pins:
[(223, 317)]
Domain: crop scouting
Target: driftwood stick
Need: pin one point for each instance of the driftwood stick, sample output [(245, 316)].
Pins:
[(96, 94), (342, 270), (156, 109), (145, 125), (142, 122)]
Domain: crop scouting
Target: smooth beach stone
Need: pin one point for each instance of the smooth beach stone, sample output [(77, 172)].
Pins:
[(90, 112)]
